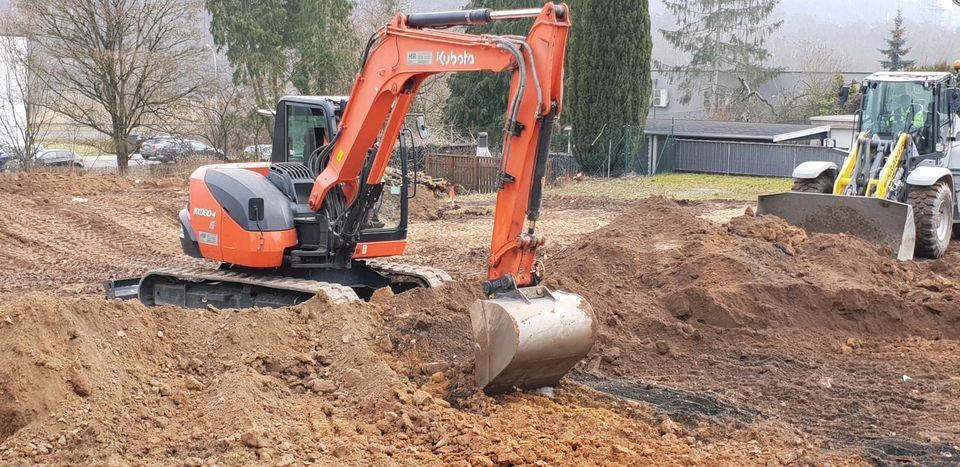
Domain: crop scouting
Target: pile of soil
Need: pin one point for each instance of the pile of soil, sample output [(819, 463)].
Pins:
[(425, 206), (795, 327), (87, 381)]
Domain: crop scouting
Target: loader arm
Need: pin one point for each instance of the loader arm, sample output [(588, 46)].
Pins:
[(400, 57)]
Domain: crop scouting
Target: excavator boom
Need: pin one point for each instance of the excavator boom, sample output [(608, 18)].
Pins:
[(526, 336), (305, 223)]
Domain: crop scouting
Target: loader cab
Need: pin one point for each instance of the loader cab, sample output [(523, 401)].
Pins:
[(918, 103)]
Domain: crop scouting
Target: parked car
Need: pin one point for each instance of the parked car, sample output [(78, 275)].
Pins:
[(177, 149), (7, 161), (58, 158), (261, 151), (151, 146), (45, 158)]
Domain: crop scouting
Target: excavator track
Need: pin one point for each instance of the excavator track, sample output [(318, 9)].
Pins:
[(200, 287), (399, 272), (290, 289)]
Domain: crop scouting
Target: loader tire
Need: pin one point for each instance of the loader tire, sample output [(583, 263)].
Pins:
[(821, 184), (933, 216)]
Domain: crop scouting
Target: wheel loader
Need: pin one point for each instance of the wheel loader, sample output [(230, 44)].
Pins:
[(308, 221), (897, 187)]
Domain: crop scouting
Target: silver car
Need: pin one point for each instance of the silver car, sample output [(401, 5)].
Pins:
[(58, 158)]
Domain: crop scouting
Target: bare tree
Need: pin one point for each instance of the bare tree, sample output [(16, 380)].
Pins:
[(370, 15), (223, 110), (116, 64), (23, 117)]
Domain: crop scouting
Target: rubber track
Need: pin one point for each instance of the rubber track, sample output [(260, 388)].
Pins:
[(924, 202), (430, 277), (336, 293)]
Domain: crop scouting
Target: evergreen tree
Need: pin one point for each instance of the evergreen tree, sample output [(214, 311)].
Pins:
[(478, 101), (721, 36), (608, 81), (895, 51), (275, 44)]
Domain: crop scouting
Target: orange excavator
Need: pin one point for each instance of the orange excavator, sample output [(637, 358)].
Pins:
[(308, 221)]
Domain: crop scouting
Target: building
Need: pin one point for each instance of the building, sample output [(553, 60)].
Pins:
[(13, 87), (666, 100), (842, 129), (744, 148)]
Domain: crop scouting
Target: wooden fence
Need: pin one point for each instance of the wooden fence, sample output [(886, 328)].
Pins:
[(479, 174)]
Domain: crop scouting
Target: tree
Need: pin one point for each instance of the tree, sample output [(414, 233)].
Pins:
[(22, 95), (114, 65), (608, 80), (721, 36), (370, 15), (273, 45), (478, 101), (895, 51), (222, 114)]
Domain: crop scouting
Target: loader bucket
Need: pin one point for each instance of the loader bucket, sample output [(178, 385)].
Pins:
[(530, 339), (882, 222)]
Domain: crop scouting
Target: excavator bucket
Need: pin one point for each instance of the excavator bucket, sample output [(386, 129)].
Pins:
[(530, 338), (883, 222)]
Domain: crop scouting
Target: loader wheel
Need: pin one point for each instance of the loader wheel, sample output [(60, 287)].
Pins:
[(821, 184), (933, 215)]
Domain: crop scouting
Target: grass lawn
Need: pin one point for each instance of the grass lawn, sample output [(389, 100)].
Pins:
[(79, 147), (674, 185)]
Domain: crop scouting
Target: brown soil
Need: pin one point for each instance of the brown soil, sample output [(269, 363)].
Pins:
[(72, 232), (818, 332), (740, 344)]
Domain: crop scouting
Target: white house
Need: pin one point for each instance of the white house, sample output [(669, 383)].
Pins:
[(842, 129)]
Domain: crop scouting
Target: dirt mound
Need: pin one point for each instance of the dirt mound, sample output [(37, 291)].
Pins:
[(93, 382), (768, 318), (756, 273), (77, 184), (425, 206)]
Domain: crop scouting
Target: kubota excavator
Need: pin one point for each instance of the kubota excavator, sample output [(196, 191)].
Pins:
[(305, 223)]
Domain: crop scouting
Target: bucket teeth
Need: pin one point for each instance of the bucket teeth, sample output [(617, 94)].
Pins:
[(530, 339)]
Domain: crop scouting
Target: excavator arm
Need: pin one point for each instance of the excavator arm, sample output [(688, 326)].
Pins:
[(525, 335), (400, 58)]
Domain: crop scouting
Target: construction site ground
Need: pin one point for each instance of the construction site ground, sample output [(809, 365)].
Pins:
[(725, 339)]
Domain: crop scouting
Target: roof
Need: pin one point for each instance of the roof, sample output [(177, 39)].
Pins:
[(734, 131), (315, 99), (907, 76), (851, 118)]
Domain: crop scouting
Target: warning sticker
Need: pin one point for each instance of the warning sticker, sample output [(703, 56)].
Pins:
[(420, 58), (340, 155), (209, 238)]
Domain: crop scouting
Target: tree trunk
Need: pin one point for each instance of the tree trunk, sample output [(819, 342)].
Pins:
[(123, 152)]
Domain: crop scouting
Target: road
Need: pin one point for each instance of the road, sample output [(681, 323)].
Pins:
[(108, 161)]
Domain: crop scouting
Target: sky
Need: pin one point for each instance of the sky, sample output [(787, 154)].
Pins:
[(848, 32)]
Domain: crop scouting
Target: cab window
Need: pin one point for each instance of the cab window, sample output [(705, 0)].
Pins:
[(306, 131)]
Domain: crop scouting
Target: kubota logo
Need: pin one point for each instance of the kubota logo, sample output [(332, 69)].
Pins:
[(451, 58), (205, 212)]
